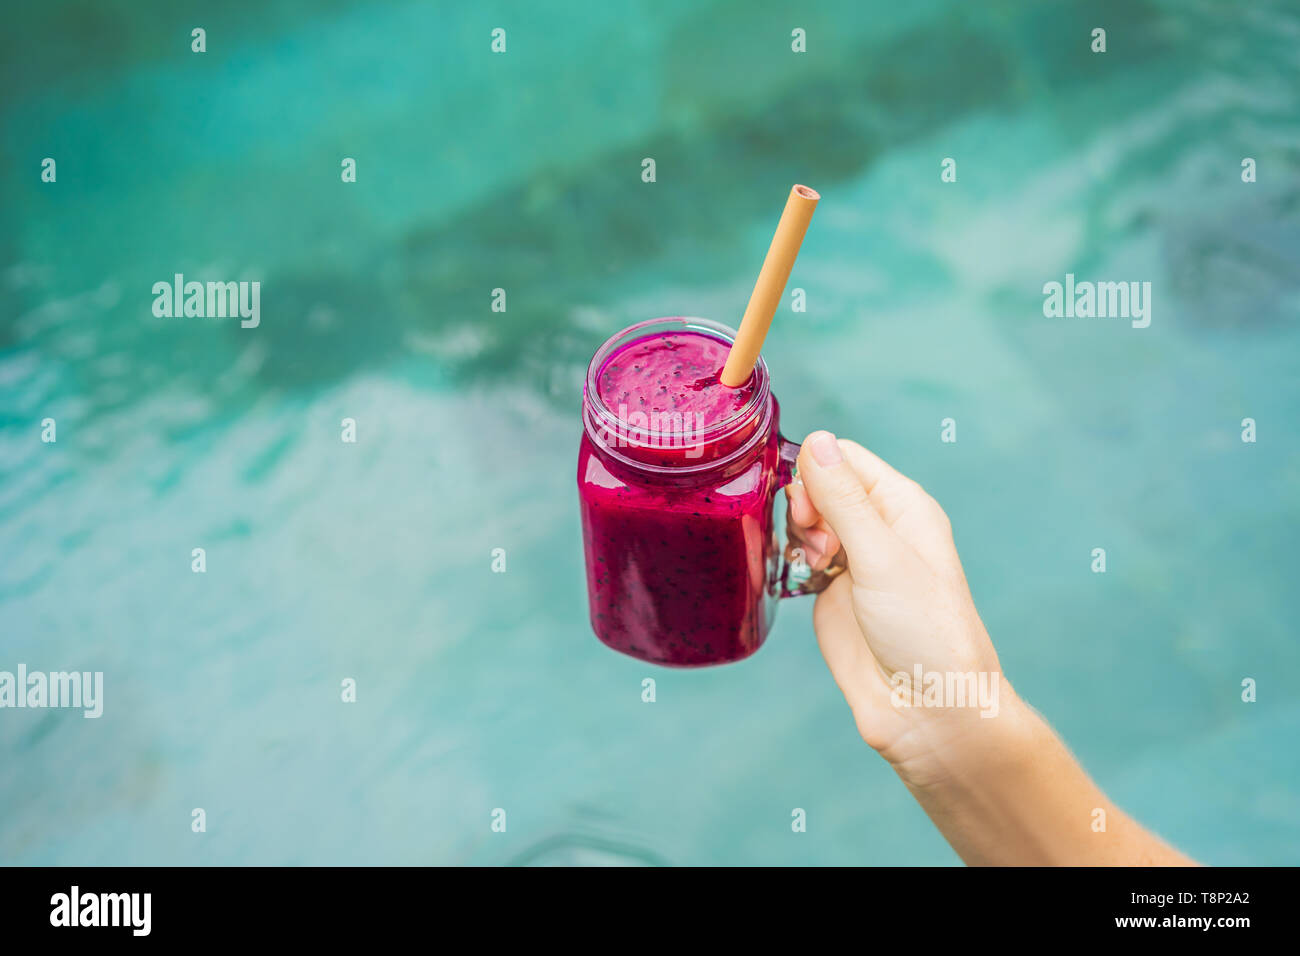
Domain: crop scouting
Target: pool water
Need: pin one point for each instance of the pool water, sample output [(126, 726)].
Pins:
[(436, 561)]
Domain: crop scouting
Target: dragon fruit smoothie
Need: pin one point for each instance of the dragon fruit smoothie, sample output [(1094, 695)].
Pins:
[(678, 525)]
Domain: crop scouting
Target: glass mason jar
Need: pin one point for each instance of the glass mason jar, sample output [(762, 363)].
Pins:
[(684, 565)]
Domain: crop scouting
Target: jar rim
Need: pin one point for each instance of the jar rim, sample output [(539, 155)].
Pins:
[(598, 417)]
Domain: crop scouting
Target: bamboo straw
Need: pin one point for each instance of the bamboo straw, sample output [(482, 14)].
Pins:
[(770, 286)]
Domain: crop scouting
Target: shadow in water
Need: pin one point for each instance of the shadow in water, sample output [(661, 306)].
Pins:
[(584, 236)]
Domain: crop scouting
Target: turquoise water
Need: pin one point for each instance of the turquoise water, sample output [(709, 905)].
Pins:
[(373, 561)]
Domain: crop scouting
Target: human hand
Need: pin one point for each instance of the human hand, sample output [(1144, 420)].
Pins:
[(1002, 791), (904, 603)]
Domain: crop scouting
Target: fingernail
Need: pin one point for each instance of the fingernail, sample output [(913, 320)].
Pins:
[(825, 449), (817, 539)]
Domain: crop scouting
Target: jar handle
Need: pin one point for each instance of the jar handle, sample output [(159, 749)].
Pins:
[(796, 577)]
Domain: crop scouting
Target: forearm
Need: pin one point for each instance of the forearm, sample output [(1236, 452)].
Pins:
[(1015, 796)]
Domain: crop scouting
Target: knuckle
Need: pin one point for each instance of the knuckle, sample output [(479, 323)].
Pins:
[(929, 503), (851, 493), (939, 515)]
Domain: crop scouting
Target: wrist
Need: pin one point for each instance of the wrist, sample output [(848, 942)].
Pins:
[(958, 747), (1010, 792)]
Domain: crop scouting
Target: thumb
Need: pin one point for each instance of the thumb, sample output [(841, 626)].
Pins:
[(837, 492)]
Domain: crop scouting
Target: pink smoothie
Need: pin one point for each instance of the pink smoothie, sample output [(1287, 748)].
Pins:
[(675, 372), (678, 565)]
